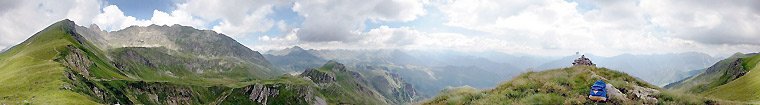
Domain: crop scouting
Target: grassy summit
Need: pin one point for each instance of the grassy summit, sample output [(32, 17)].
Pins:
[(33, 70), (565, 86)]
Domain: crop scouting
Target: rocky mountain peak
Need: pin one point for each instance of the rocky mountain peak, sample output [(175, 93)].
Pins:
[(339, 67), (94, 27), (295, 50)]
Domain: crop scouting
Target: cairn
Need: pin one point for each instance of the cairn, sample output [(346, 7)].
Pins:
[(583, 61)]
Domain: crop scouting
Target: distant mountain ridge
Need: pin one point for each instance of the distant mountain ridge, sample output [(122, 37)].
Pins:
[(429, 72), (293, 59), (179, 52), (434, 70), (70, 64)]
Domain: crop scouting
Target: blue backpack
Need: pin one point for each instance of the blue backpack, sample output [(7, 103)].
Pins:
[(598, 91)]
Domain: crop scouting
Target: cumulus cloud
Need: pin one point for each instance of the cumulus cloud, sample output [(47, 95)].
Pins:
[(608, 27), (176, 17), (547, 27), (254, 22), (382, 37), (237, 17), (112, 19), (23, 18), (342, 20), (385, 37), (707, 21)]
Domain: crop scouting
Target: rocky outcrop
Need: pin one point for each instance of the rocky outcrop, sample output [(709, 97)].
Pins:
[(339, 67), (638, 92), (318, 76), (583, 61), (274, 94), (261, 93), (614, 93), (733, 71), (406, 91), (644, 93), (305, 93), (77, 59)]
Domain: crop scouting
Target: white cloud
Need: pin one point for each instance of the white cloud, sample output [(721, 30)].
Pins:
[(608, 28), (407, 38), (707, 21), (23, 18), (254, 22), (112, 19), (553, 27), (176, 17), (342, 20), (459, 42), (238, 17), (542, 25), (386, 36), (276, 43), (382, 37)]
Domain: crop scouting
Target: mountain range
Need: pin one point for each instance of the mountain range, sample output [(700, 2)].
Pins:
[(70, 64), (435, 70), (159, 64)]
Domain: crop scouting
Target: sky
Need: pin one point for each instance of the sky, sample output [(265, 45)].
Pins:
[(533, 27)]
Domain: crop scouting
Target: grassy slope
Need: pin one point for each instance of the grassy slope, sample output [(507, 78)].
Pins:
[(347, 89), (558, 86), (744, 88), (705, 81), (29, 73), (385, 85), (171, 68)]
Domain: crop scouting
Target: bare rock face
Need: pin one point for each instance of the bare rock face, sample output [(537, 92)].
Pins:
[(339, 67), (318, 76), (734, 71), (615, 93), (409, 92), (644, 93), (77, 60), (261, 93), (583, 61)]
